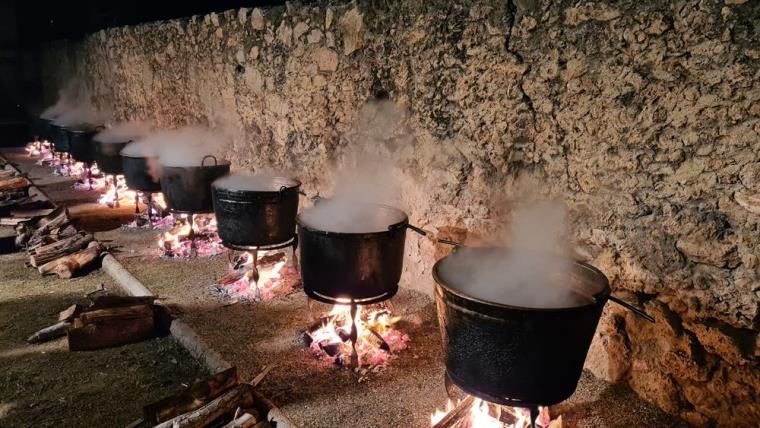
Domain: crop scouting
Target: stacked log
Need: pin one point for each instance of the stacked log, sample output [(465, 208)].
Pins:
[(55, 246), (220, 400)]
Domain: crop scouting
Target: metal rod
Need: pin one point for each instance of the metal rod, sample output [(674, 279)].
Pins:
[(255, 275), (633, 309), (354, 335)]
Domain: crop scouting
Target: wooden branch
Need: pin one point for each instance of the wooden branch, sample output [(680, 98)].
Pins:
[(65, 267), (69, 313), (239, 396), (54, 331), (274, 414), (197, 395)]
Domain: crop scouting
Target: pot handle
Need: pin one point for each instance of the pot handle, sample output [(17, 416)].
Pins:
[(632, 308), (203, 161), (314, 198), (431, 235)]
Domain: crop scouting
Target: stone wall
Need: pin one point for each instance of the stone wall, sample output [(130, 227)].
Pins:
[(643, 116)]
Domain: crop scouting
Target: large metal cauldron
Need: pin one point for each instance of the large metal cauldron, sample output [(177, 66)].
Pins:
[(256, 218), (364, 268), (136, 174), (108, 156), (81, 145), (187, 189), (517, 356), (60, 137)]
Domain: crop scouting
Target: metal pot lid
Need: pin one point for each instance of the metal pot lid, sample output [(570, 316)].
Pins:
[(502, 277)]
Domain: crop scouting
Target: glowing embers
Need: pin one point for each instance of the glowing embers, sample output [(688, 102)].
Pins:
[(154, 216), (35, 149), (356, 336), (115, 192), (192, 236), (472, 412), (273, 275)]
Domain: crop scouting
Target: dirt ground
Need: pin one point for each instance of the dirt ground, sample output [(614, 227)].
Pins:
[(317, 394)]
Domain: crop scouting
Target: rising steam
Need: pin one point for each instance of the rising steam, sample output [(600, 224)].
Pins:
[(366, 173), (530, 272), (124, 131)]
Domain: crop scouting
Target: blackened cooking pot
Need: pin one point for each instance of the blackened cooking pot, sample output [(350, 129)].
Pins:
[(187, 189), (60, 137), (81, 145), (108, 156), (136, 174), (517, 356), (340, 267), (254, 218)]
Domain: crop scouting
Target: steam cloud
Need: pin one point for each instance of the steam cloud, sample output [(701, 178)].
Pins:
[(530, 272), (258, 182), (365, 173), (124, 131)]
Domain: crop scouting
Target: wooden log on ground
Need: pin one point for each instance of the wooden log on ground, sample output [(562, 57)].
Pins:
[(54, 331), (65, 267), (197, 395), (238, 396), (47, 253), (274, 414), (246, 420), (110, 301), (107, 333), (13, 183), (118, 313)]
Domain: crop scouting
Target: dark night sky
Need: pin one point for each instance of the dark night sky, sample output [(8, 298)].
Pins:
[(49, 20)]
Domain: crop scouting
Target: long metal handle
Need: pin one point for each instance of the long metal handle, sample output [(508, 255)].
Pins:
[(632, 308), (428, 234)]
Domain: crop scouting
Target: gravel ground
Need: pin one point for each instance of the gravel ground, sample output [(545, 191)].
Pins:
[(46, 385), (316, 394)]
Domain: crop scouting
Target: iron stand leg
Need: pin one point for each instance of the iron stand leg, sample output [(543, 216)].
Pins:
[(255, 275), (115, 191), (193, 248), (533, 415), (354, 336)]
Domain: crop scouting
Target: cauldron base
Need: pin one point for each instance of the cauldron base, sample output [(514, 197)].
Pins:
[(292, 242)]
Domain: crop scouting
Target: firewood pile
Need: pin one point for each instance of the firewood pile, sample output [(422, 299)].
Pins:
[(14, 189), (55, 246), (219, 401), (106, 321)]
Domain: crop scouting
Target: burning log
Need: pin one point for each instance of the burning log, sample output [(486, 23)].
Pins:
[(54, 331), (238, 396), (107, 327), (65, 267), (199, 394), (47, 253), (454, 416)]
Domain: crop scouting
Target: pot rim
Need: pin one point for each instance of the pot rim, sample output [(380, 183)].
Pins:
[(296, 184), (391, 228), (133, 156), (599, 297), (220, 162)]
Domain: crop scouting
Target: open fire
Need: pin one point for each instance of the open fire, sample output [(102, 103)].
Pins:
[(276, 276), (368, 338), (473, 412), (191, 236), (115, 192)]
